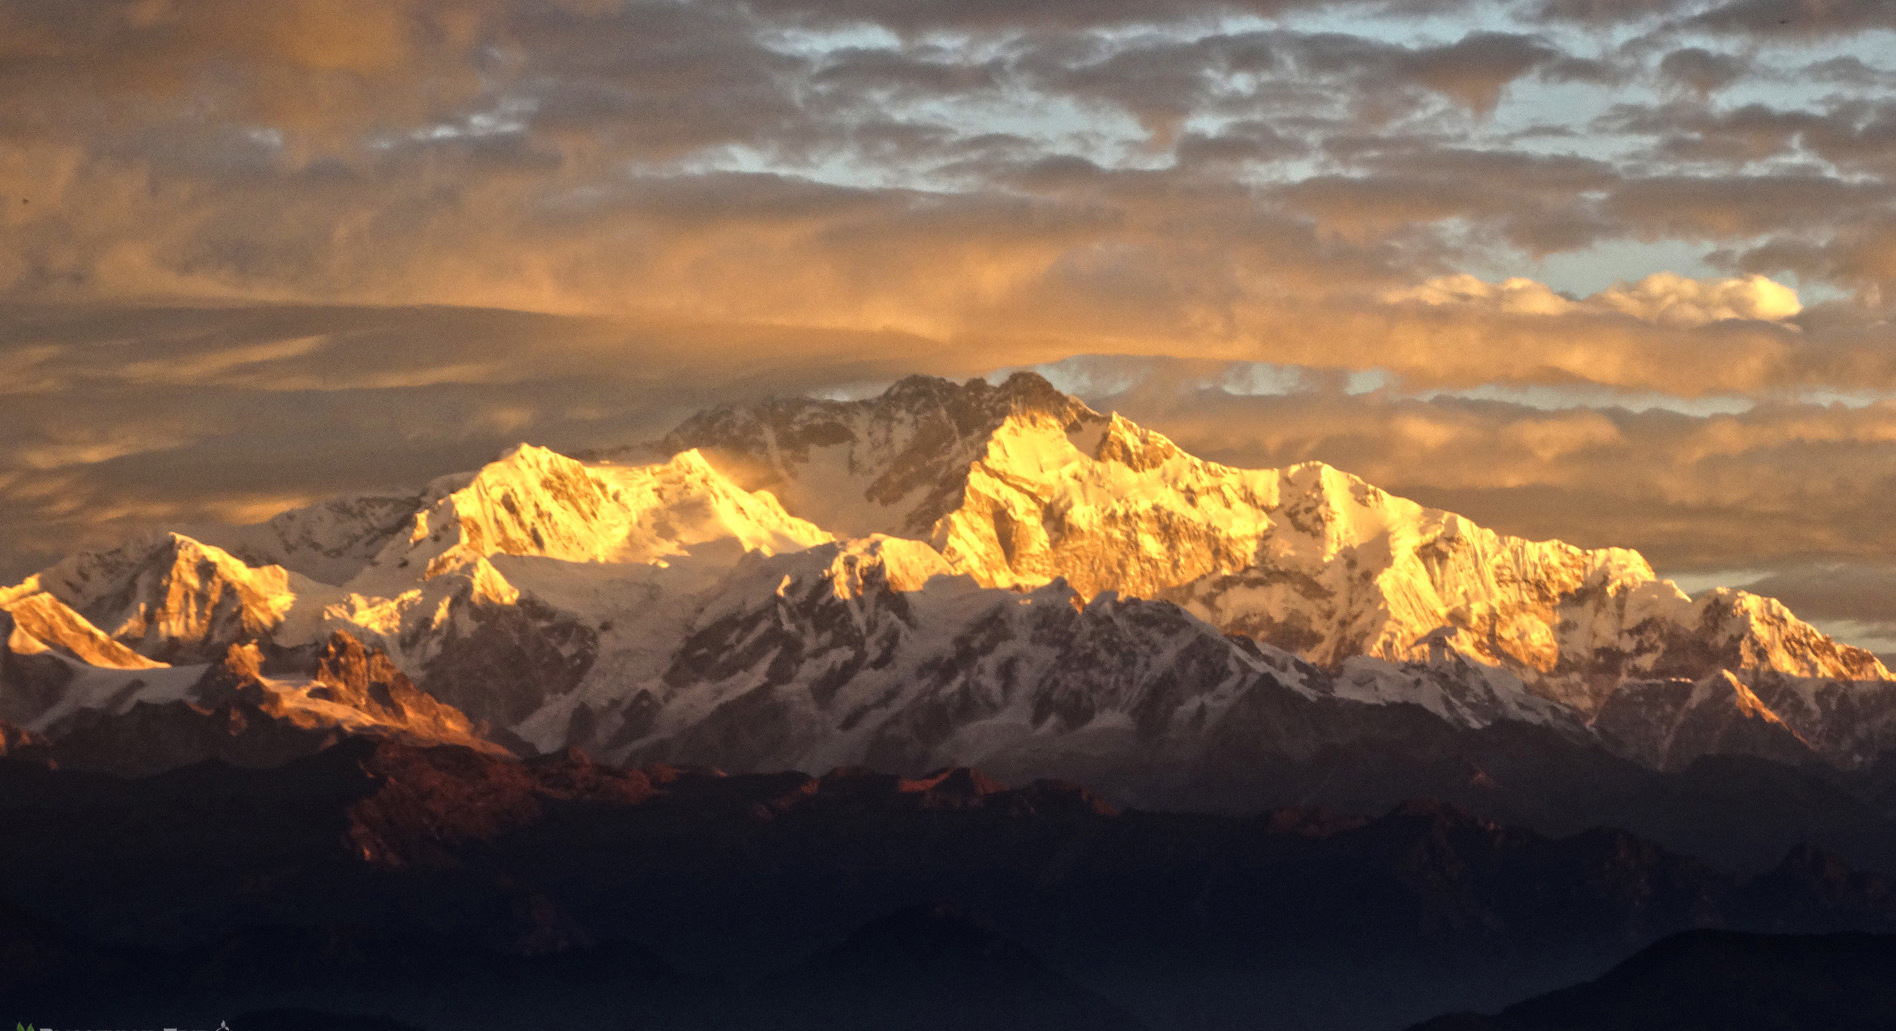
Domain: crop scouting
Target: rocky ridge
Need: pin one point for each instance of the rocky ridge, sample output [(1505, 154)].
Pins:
[(942, 575), (459, 889)]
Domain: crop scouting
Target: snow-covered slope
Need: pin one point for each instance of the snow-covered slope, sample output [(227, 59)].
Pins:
[(330, 541), (872, 652), (514, 584), (534, 502), (1308, 558), (172, 598), (949, 575), (42, 623)]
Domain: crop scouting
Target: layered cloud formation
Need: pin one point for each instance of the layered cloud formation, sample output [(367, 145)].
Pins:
[(1620, 272), (1665, 298)]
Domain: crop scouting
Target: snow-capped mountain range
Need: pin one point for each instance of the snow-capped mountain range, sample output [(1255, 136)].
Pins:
[(946, 574)]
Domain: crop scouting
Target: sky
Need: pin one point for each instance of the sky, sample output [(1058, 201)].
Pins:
[(1620, 272)]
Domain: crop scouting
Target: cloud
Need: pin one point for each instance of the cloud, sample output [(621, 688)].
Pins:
[(1848, 70), (1761, 18), (924, 15), (1608, 11), (1718, 207), (1854, 133), (1702, 71), (1664, 298), (302, 62), (1795, 17), (1862, 256), (1475, 70), (1835, 591), (1515, 296), (845, 165), (1671, 299)]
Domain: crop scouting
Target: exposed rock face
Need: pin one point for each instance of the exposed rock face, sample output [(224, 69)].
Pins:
[(1846, 721), (954, 574), (234, 713), (152, 737), (364, 680), (1669, 723), (170, 598), (896, 464)]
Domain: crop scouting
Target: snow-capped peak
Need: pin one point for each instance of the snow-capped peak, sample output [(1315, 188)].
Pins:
[(1308, 557), (170, 597), (891, 464), (955, 572), (534, 502)]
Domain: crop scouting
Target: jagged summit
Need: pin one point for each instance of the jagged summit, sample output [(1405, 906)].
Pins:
[(941, 575), (533, 502), (972, 405), (890, 464), (170, 597), (1309, 558)]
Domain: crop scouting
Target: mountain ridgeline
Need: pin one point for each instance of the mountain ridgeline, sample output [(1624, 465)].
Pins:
[(953, 575), (454, 889)]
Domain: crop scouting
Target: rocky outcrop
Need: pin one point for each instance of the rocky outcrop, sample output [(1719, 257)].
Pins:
[(1667, 724), (363, 679), (236, 714)]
